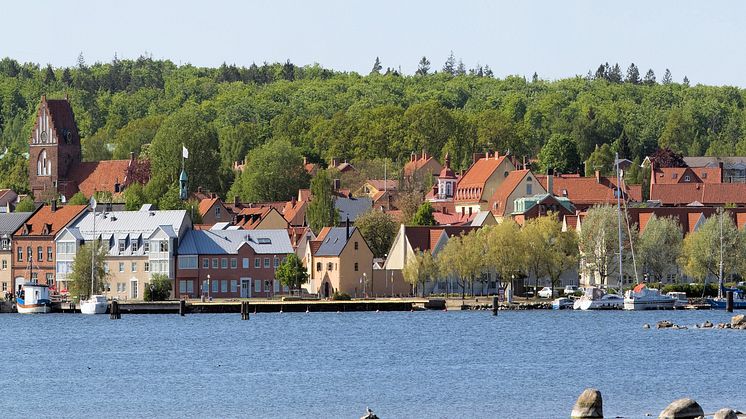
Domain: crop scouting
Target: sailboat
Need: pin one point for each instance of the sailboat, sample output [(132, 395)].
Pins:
[(95, 304), (719, 302)]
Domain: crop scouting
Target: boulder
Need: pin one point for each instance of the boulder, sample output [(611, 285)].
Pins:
[(664, 324), (738, 320), (682, 409), (589, 405), (725, 413), (707, 324)]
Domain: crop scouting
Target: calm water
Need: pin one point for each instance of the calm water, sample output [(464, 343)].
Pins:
[(421, 364)]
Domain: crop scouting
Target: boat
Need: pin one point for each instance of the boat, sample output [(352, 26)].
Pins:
[(680, 299), (596, 299), (562, 303), (719, 303), (644, 298), (95, 304), (33, 298)]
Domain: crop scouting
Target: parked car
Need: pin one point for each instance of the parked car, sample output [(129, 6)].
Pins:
[(570, 289), (545, 292)]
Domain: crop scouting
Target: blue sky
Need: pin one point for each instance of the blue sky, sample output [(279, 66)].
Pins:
[(700, 39)]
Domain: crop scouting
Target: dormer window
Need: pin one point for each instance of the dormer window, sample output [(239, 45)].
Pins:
[(564, 192), (704, 175), (686, 178)]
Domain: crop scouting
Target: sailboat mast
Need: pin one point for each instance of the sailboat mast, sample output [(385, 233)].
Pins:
[(720, 282), (93, 250), (619, 219)]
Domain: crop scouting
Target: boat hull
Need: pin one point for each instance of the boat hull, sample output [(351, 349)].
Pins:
[(719, 304), (93, 306), (601, 305), (638, 304), (40, 308)]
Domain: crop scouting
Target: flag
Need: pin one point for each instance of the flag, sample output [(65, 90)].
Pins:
[(93, 203), (184, 152)]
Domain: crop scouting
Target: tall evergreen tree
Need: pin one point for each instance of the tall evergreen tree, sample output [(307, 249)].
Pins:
[(423, 67), (67, 78), (685, 82), (49, 76), (461, 68), (615, 74), (376, 67), (633, 74), (667, 78), (450, 65), (487, 71), (601, 72), (649, 78), (535, 78), (321, 212), (288, 71)]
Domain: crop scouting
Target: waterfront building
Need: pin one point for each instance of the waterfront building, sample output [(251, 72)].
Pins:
[(540, 205), (9, 223), (340, 260), (55, 158), (479, 183), (518, 184), (585, 192), (732, 169), (231, 263), (139, 244), (33, 243)]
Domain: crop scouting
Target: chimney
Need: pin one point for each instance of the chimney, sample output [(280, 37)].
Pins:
[(132, 156), (334, 162), (598, 176), (199, 189), (412, 157), (292, 201), (54, 205), (497, 155), (337, 184), (235, 201), (347, 226), (213, 195), (550, 181), (722, 172)]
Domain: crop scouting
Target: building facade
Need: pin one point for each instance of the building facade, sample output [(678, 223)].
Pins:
[(339, 260), (9, 223)]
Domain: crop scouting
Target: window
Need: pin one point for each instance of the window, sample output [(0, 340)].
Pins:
[(329, 266), (19, 256), (217, 212), (318, 266), (704, 175), (188, 262), (257, 286), (224, 285), (35, 277), (134, 267), (529, 189), (146, 267), (205, 263), (686, 178), (186, 287), (266, 262), (223, 263), (256, 263), (215, 285), (49, 253), (134, 289), (234, 285), (356, 267), (234, 263), (39, 253), (146, 246), (245, 263), (43, 165), (106, 268), (5, 286), (29, 252), (164, 245), (5, 264), (49, 278), (121, 266), (277, 262), (214, 263), (122, 245), (356, 245), (6, 244), (276, 286), (135, 244)]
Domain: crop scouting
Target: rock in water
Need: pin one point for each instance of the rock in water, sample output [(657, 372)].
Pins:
[(707, 324), (589, 405), (738, 320), (725, 413), (682, 409), (664, 324)]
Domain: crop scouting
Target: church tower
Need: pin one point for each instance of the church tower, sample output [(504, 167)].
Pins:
[(54, 149)]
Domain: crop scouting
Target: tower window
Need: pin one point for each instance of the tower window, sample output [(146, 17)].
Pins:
[(43, 165)]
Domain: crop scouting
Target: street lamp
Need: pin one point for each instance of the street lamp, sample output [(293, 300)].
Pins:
[(365, 283), (392, 285), (274, 278), (152, 288), (209, 298)]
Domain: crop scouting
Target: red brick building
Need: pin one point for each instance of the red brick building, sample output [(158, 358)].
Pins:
[(34, 248)]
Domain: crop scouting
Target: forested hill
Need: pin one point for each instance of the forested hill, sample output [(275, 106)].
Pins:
[(223, 113)]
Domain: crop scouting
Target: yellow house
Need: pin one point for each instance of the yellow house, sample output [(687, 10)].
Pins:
[(518, 184), (339, 260), (480, 182), (9, 223)]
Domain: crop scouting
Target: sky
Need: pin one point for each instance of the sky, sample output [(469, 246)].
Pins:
[(700, 39)]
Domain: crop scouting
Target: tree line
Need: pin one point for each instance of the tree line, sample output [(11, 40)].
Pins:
[(234, 114)]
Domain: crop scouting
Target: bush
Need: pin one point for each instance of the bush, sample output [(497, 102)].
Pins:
[(692, 290), (341, 296), (161, 286)]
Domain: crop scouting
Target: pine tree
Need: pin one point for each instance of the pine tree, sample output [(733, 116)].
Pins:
[(376, 67), (535, 78), (450, 65), (49, 76), (66, 77), (615, 74), (686, 81), (288, 71), (667, 79), (487, 71), (423, 67), (649, 78), (633, 74), (461, 69), (600, 72)]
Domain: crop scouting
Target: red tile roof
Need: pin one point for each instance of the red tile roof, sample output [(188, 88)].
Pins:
[(586, 191), (415, 164), (99, 176), (295, 212), (250, 218), (381, 184), (687, 217), (472, 183), (704, 193), (673, 175), (54, 220), (206, 204), (571, 221), (453, 218)]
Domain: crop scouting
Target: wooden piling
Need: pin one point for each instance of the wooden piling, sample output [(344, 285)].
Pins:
[(729, 302), (244, 310), (182, 308), (114, 312), (495, 305)]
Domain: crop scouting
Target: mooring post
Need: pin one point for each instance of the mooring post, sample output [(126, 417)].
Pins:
[(114, 313), (495, 305), (244, 310), (729, 302), (182, 308)]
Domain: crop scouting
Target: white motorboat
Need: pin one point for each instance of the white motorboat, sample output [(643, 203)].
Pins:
[(644, 298), (596, 299), (680, 299), (33, 298), (562, 303), (96, 304)]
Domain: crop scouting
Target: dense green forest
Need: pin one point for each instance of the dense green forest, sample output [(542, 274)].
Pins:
[(224, 114)]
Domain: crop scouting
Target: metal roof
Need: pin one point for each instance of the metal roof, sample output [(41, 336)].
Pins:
[(130, 222), (212, 242), (9, 222), (334, 242), (352, 207)]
